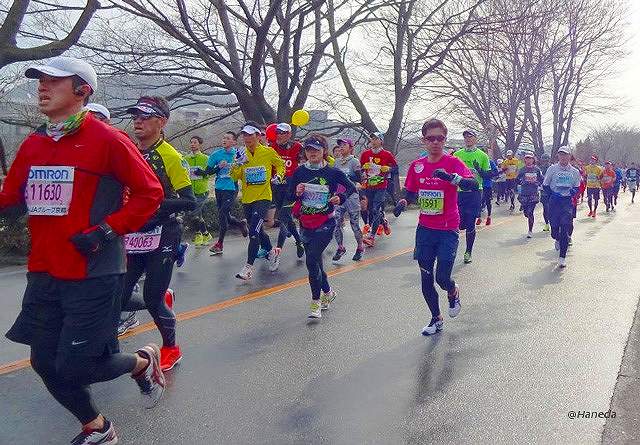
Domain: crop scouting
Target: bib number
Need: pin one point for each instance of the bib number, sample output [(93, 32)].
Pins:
[(143, 242), (564, 180), (49, 190), (315, 196), (431, 202), (255, 175), (530, 177)]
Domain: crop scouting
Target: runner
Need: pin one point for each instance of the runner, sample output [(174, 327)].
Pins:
[(616, 185), (100, 112), (529, 179), (253, 167), (197, 161), (291, 153), (152, 249), (226, 189), (377, 164), (76, 264), (545, 162), (469, 201), (500, 183), (487, 191), (432, 182), (562, 183), (314, 188), (510, 167), (348, 164), (608, 184), (632, 180), (594, 175)]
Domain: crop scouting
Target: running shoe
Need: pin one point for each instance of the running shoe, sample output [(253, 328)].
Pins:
[(151, 379), (299, 250), (590, 213), (570, 242), (454, 303), (546, 228), (197, 240), (380, 230), (216, 249), (435, 325), (274, 259), (488, 221), (105, 436), (366, 229), (562, 262), (316, 311), (128, 323), (385, 227), (357, 256), (244, 228), (206, 238), (558, 245), (613, 209), (530, 234), (182, 250), (369, 241), (326, 299), (170, 298), (339, 253), (170, 356), (478, 221), (512, 208), (593, 215), (262, 253), (246, 273), (467, 257)]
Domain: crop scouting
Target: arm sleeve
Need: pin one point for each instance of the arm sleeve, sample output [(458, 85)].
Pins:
[(145, 191), (293, 183)]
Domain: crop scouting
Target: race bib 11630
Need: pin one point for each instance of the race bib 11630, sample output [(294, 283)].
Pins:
[(49, 190)]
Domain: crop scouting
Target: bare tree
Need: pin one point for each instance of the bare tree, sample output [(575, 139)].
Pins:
[(13, 19), (617, 143)]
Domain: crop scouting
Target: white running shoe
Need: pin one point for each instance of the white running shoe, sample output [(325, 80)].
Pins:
[(274, 259), (150, 381), (106, 436), (246, 273), (562, 262), (530, 234), (436, 325), (316, 312), (326, 299)]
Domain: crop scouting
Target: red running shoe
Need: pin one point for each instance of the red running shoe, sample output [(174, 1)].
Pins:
[(488, 222), (170, 298), (366, 229), (380, 230), (386, 228), (478, 221), (169, 357)]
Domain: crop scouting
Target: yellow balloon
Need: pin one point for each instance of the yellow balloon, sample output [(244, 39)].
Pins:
[(300, 118)]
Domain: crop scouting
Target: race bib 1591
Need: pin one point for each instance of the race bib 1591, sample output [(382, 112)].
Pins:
[(431, 202), (49, 190)]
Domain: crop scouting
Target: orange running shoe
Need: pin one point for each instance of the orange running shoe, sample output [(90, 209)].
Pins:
[(366, 229), (169, 357), (385, 226), (380, 230), (169, 298)]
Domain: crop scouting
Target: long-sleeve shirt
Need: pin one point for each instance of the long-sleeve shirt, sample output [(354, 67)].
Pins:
[(76, 183), (561, 179), (255, 174), (530, 179)]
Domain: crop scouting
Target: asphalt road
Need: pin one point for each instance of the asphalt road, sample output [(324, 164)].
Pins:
[(531, 344)]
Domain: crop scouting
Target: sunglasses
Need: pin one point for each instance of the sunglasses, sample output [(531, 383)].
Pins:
[(144, 116), (438, 138)]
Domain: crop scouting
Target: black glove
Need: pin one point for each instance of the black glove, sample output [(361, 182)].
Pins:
[(441, 173), (398, 209), (477, 166), (92, 240)]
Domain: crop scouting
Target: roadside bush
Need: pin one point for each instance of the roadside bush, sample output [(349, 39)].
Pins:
[(14, 239), (210, 214)]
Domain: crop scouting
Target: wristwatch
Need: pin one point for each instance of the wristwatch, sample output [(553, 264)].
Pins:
[(107, 232)]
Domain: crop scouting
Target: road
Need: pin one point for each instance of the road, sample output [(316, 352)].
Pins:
[(531, 344)]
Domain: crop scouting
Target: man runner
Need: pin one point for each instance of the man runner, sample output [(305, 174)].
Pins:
[(470, 200), (530, 180), (197, 161), (632, 179), (432, 182), (70, 175), (607, 183), (594, 174), (152, 249), (253, 167), (510, 167)]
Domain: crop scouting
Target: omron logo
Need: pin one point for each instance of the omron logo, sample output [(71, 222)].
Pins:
[(63, 174)]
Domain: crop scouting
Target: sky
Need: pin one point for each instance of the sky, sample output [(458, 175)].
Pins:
[(625, 85)]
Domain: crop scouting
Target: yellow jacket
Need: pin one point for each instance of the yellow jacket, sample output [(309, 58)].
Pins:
[(255, 175)]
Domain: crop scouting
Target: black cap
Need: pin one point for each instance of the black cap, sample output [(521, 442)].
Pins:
[(468, 132)]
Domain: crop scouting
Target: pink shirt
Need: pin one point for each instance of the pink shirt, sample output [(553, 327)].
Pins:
[(437, 199)]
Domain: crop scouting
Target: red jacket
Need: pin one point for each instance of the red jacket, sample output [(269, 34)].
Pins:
[(290, 155), (375, 179), (97, 162)]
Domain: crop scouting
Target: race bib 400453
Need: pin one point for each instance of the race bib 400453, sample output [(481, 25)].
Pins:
[(431, 202), (49, 190)]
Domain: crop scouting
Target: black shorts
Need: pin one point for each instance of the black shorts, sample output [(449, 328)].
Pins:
[(593, 192), (469, 206), (73, 317)]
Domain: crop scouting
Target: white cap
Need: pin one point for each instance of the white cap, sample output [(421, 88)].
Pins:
[(65, 67), (284, 127), (97, 108), (564, 149), (509, 152), (250, 129)]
